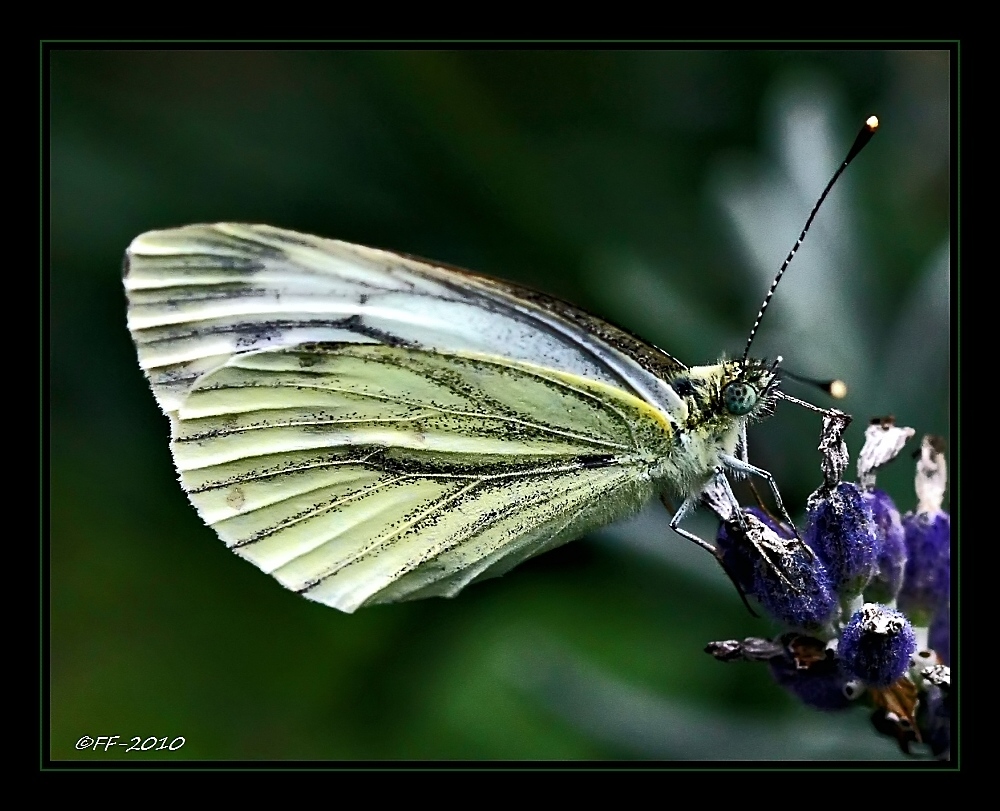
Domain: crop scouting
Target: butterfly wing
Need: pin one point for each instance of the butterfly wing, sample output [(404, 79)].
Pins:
[(202, 293), (370, 428), (358, 474)]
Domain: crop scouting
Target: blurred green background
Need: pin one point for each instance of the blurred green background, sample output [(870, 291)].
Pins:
[(660, 189)]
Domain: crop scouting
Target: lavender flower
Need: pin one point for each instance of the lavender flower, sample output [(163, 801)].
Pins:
[(770, 564), (840, 526), (891, 558), (855, 542), (935, 716), (927, 577), (811, 671), (841, 529), (876, 645), (939, 636)]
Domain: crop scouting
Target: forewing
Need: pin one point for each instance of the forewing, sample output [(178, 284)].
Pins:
[(200, 294), (359, 474)]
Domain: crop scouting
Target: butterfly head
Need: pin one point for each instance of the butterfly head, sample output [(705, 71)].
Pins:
[(729, 392), (749, 387)]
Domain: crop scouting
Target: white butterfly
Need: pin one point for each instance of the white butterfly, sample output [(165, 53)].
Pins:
[(368, 427)]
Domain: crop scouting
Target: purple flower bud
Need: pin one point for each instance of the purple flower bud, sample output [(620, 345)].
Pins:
[(738, 554), (823, 684), (927, 577), (777, 569), (939, 636), (805, 666), (935, 715), (876, 645), (937, 725), (841, 529), (888, 578)]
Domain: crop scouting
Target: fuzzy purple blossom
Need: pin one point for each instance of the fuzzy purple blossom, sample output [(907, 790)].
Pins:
[(891, 546), (927, 578), (935, 710), (939, 636), (876, 645), (778, 570), (822, 685), (840, 527)]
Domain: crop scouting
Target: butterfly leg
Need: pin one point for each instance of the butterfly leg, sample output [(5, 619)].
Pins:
[(718, 496), (743, 466), (687, 507), (742, 455)]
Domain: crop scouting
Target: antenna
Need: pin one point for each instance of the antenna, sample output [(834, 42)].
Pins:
[(864, 136), (836, 388)]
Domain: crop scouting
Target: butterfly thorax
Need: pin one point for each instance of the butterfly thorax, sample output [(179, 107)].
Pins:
[(720, 400)]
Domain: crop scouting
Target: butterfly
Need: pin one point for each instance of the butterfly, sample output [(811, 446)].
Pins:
[(369, 427)]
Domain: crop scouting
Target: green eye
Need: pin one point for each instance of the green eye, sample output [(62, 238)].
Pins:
[(740, 398)]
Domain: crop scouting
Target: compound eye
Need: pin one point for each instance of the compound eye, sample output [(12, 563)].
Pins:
[(739, 398)]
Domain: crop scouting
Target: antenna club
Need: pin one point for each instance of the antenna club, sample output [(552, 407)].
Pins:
[(838, 389), (864, 136)]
